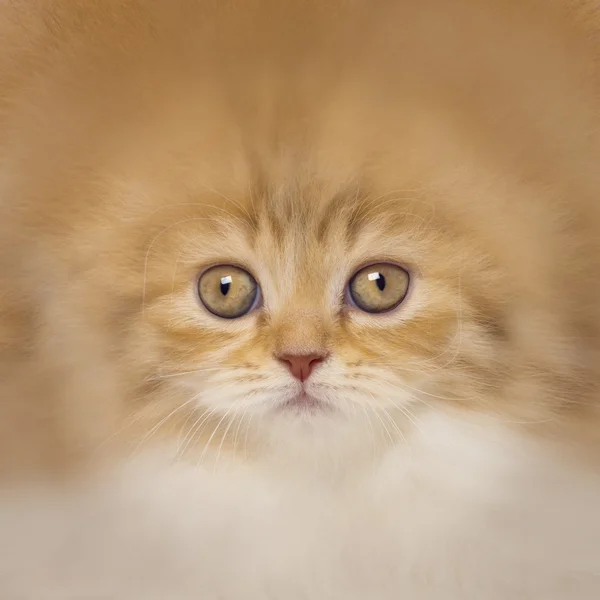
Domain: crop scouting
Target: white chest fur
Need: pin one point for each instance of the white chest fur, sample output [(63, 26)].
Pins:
[(464, 511)]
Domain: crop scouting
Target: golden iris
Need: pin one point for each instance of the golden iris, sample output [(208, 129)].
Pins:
[(227, 291), (379, 287)]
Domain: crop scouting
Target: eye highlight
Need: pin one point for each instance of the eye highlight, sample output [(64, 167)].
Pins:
[(228, 292), (379, 288)]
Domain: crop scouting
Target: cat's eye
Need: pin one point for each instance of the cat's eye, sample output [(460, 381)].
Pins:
[(379, 288), (227, 291)]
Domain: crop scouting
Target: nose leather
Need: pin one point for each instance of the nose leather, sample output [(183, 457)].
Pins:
[(301, 365)]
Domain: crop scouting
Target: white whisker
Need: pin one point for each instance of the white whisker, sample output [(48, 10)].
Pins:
[(223, 440), (370, 426), (182, 373), (198, 426), (387, 431), (246, 436), (237, 431), (212, 435), (160, 424)]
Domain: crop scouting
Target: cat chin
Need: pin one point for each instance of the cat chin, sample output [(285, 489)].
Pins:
[(296, 429), (323, 440)]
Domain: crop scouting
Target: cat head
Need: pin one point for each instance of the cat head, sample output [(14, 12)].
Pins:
[(299, 245)]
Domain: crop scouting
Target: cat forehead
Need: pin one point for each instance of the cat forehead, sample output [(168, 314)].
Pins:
[(312, 218)]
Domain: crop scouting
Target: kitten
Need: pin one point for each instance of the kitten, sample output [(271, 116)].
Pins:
[(302, 296)]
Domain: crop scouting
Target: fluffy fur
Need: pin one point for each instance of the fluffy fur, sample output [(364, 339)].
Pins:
[(457, 453)]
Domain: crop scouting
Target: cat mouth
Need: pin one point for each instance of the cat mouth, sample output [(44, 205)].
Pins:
[(302, 402)]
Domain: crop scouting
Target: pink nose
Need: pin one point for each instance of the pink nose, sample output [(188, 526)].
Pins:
[(302, 365)]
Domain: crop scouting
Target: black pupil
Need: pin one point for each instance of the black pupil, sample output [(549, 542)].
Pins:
[(225, 286), (380, 281)]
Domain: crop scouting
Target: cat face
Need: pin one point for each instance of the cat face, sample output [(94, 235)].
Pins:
[(302, 310)]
